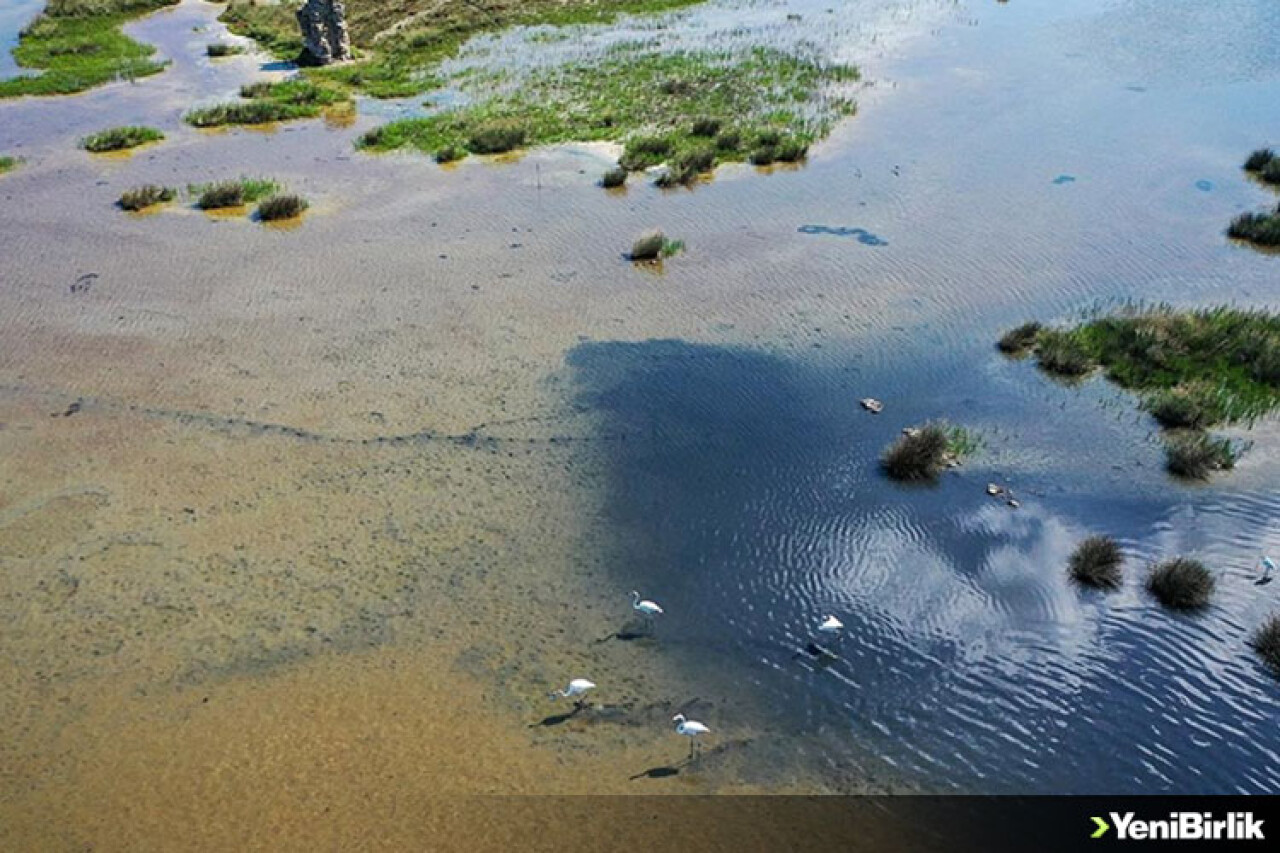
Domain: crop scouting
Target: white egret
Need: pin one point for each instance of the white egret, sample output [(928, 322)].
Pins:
[(646, 608), (831, 625), (576, 688), (1268, 566), (690, 729)]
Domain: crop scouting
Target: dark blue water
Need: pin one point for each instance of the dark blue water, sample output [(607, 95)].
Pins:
[(747, 499)]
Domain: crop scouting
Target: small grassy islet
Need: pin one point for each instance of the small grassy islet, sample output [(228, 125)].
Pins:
[(921, 453), (120, 138), (8, 163), (265, 102), (79, 44), (1194, 369), (689, 110), (1261, 228)]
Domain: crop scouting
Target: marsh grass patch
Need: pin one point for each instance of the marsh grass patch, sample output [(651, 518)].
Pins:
[(120, 138), (281, 206), (1096, 563), (232, 193), (921, 453), (148, 195), (79, 44), (1181, 584), (1266, 642)]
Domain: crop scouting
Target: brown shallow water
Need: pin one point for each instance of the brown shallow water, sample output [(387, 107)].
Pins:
[(308, 520)]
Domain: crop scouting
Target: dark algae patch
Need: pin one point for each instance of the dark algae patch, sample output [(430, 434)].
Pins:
[(120, 139), (79, 44), (1194, 370)]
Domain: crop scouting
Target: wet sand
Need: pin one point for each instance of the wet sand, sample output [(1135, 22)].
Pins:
[(354, 498)]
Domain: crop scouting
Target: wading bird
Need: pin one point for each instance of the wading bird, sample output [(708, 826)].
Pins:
[(1268, 566), (690, 729), (576, 688), (831, 625), (647, 609)]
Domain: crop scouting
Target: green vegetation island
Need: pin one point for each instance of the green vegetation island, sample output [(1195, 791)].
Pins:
[(1262, 228), (79, 44), (1193, 368)]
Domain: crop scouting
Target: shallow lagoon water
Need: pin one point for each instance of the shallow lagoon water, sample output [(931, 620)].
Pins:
[(454, 446)]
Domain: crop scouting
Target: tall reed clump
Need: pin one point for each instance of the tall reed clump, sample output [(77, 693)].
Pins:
[(1181, 584), (1096, 563), (120, 138)]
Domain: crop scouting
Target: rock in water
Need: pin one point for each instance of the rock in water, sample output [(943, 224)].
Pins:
[(324, 31)]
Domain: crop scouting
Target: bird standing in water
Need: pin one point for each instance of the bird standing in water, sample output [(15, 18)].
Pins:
[(690, 729), (1268, 566), (647, 609), (831, 625)]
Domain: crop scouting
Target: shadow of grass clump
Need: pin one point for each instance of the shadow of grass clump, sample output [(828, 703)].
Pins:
[(120, 138), (282, 206), (1266, 642), (140, 198), (1196, 455), (1181, 584), (1096, 563), (921, 453)]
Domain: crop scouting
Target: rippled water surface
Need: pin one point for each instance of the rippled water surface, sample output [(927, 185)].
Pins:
[(405, 461), (14, 15)]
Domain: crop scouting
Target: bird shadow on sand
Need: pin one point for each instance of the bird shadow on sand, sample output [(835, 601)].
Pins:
[(704, 759), (559, 719), (631, 631)]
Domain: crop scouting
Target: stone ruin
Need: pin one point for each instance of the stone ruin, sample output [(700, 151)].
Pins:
[(324, 31)]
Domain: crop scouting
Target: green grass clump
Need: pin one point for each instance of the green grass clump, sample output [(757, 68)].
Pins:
[(1262, 228), (1271, 172), (1096, 563), (79, 44), (1063, 354), (271, 25), (140, 198), (266, 102), (668, 108), (120, 138), (921, 453), (1185, 407), (1195, 455), (450, 153), (283, 206), (1181, 584), (8, 164), (648, 246), (1266, 642), (1259, 160), (217, 50), (223, 194), (615, 177), (497, 137)]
